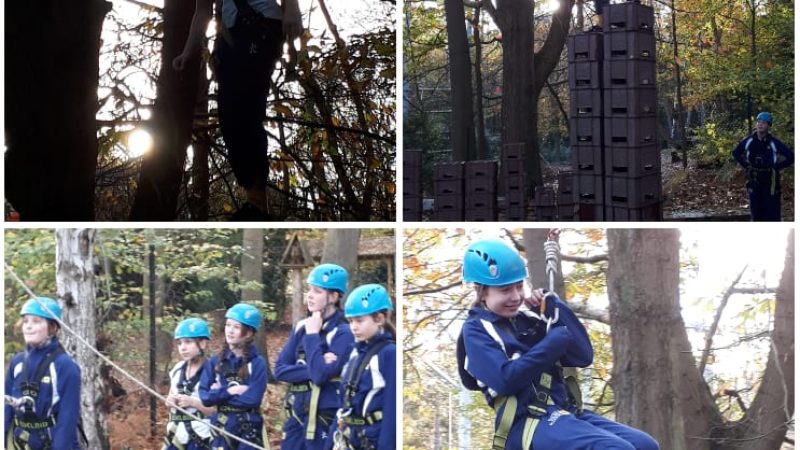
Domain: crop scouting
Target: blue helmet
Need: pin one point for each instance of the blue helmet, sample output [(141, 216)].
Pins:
[(492, 262), (36, 307), (765, 116), (367, 299), (192, 328), (329, 276), (247, 314)]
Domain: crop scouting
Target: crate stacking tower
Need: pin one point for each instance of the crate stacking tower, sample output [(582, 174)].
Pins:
[(615, 157)]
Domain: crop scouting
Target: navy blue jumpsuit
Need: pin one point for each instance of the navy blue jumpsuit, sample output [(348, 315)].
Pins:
[(763, 160), (374, 399), (302, 365), (58, 400), (507, 358), (238, 414)]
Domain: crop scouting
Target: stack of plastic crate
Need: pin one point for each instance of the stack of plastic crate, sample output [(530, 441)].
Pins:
[(632, 159), (480, 185), (513, 171), (448, 192), (565, 200), (412, 185)]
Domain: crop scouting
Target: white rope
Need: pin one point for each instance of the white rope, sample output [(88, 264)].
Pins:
[(118, 368)]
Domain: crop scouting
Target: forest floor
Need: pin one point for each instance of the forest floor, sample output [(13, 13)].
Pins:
[(129, 420)]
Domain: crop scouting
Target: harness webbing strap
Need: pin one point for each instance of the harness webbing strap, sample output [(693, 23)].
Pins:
[(354, 375), (312, 412), (509, 405), (570, 376)]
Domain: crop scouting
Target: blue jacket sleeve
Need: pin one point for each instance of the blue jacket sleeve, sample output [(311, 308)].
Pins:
[(211, 397), (580, 352), (341, 345), (738, 154), (9, 411), (488, 362), (256, 386), (286, 367), (388, 438), (787, 154), (69, 391)]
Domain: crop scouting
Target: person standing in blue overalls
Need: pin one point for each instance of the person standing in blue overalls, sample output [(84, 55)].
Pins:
[(312, 360), (366, 419), (515, 356), (235, 381), (183, 431), (249, 44), (763, 156), (43, 385)]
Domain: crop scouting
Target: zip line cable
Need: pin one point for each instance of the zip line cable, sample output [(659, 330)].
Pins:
[(120, 369)]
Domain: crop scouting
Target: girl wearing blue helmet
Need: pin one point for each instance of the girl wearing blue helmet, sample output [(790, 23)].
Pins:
[(235, 381), (43, 384), (515, 356), (366, 419), (312, 360), (183, 431)]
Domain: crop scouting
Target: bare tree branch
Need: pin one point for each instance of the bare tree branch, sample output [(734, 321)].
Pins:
[(713, 330)]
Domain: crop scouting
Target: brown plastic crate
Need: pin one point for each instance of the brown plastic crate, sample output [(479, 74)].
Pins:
[(630, 131), (588, 188), (632, 73), (446, 187), (629, 45), (585, 75), (480, 201), (587, 159), (585, 103), (585, 47), (633, 192), (590, 212), (448, 202), (628, 16), (481, 215), (630, 102), (649, 213), (448, 171), (480, 169), (585, 131), (633, 161), (480, 185)]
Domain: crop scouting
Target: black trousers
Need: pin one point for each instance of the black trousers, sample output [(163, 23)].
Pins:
[(244, 70)]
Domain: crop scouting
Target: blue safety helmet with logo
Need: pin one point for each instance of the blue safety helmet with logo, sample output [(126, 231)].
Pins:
[(329, 276), (765, 116), (43, 307), (192, 328), (492, 262), (367, 299), (246, 314)]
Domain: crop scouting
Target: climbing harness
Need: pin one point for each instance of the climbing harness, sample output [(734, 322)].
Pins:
[(342, 437), (186, 387), (125, 373)]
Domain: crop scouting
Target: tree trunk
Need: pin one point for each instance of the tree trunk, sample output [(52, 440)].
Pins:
[(480, 122), (75, 282), (52, 74), (643, 281), (252, 264), (171, 126), (198, 203), (765, 423), (534, 239), (462, 128), (341, 247), (679, 116)]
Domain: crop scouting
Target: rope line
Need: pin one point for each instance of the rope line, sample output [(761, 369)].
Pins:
[(120, 369)]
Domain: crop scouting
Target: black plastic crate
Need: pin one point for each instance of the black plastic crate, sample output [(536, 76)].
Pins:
[(586, 131), (588, 189), (566, 188), (567, 213), (480, 169), (628, 16), (630, 102), (516, 213), (629, 45), (588, 212), (633, 192), (448, 202), (545, 213), (632, 73), (481, 215), (514, 151), (630, 131), (585, 103), (451, 215), (480, 185), (585, 75), (412, 158), (448, 171), (480, 201), (585, 47), (587, 159), (633, 161), (513, 168), (447, 187), (649, 213)]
